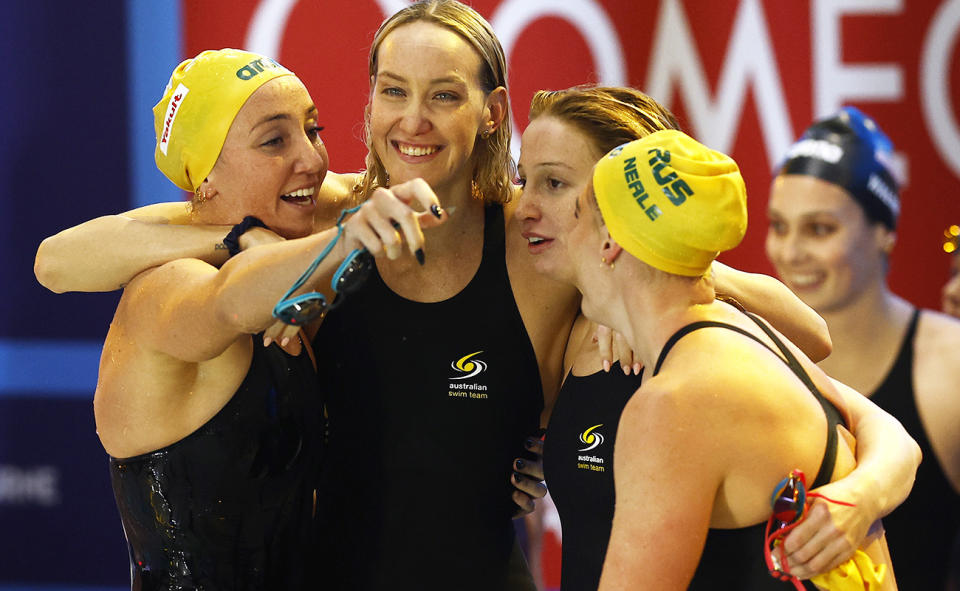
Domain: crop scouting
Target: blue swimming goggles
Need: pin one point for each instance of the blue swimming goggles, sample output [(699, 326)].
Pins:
[(302, 309)]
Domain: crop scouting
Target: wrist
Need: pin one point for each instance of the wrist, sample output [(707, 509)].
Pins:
[(232, 239)]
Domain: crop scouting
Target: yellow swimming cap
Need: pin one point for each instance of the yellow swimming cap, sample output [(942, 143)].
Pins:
[(671, 202), (202, 98)]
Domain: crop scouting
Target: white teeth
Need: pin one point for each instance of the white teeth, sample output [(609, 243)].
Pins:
[(301, 193), (805, 279), (416, 150), (535, 240)]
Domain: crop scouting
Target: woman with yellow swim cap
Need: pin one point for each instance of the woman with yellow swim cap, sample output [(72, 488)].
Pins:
[(729, 406), (215, 439)]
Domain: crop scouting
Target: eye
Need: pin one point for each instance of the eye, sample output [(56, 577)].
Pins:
[(778, 227), (520, 181), (314, 132), (555, 183), (393, 91), (273, 142), (821, 229), (446, 97)]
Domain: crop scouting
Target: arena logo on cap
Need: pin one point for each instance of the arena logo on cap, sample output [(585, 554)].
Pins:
[(173, 107), (256, 67), (819, 149)]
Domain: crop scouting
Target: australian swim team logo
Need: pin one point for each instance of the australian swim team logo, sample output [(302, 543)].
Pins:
[(468, 367), (591, 438)]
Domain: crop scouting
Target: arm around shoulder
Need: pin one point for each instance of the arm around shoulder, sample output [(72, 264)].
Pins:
[(105, 253)]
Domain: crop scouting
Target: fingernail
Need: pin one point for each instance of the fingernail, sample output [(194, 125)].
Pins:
[(517, 476), (606, 365), (284, 341), (520, 464), (435, 210), (421, 258), (529, 442), (637, 368), (626, 369), (267, 341)]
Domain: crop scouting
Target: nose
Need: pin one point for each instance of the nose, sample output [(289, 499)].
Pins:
[(527, 207), (312, 157), (413, 119), (785, 247)]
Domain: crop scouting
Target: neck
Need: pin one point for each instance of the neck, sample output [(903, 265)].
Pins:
[(651, 311)]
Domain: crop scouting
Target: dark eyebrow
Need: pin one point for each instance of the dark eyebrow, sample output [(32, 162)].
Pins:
[(311, 110), (452, 79)]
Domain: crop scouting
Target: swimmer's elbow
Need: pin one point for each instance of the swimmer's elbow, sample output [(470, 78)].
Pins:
[(46, 268)]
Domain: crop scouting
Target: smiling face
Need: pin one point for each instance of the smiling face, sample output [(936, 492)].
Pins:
[(821, 243), (555, 168), (272, 162), (427, 106)]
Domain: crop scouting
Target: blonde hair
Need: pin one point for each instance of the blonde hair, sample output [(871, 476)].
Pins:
[(495, 169), (609, 115)]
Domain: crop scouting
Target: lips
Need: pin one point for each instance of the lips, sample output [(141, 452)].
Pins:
[(536, 243), (300, 197), (416, 151), (803, 281)]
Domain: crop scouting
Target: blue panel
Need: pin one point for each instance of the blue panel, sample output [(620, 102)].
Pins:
[(61, 368), (155, 48)]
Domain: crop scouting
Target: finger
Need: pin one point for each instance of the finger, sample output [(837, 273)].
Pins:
[(534, 445), (605, 345), (524, 502), (273, 333), (419, 192), (387, 235), (530, 486), (289, 333), (533, 469), (830, 557), (624, 353)]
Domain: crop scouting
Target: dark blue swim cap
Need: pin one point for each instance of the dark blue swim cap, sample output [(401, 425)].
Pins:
[(850, 150)]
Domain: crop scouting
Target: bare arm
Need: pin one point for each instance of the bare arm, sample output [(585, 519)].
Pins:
[(197, 311), (887, 461), (767, 297), (105, 253), (665, 490)]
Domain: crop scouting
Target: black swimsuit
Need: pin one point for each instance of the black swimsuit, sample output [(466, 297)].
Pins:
[(429, 403), (229, 506), (932, 511), (733, 558)]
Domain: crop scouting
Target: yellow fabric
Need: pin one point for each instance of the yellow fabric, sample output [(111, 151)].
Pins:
[(672, 202), (857, 574), (201, 99)]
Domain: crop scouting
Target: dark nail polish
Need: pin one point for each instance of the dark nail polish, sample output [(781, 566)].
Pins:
[(517, 476), (529, 442), (421, 258), (435, 210), (520, 464)]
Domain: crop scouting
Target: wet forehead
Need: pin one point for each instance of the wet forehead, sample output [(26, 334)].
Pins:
[(549, 141), (425, 51), (284, 96)]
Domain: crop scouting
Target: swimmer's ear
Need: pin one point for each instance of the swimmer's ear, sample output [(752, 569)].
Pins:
[(610, 250), (495, 110)]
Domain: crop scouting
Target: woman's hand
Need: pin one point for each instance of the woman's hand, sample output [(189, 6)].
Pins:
[(527, 478), (378, 224), (830, 533), (614, 347)]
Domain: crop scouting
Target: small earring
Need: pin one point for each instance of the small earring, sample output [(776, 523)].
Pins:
[(202, 196), (604, 261), (485, 133)]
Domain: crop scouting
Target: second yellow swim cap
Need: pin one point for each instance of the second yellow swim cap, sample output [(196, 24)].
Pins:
[(671, 202)]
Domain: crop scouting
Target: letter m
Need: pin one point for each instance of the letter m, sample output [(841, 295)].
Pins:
[(749, 60)]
